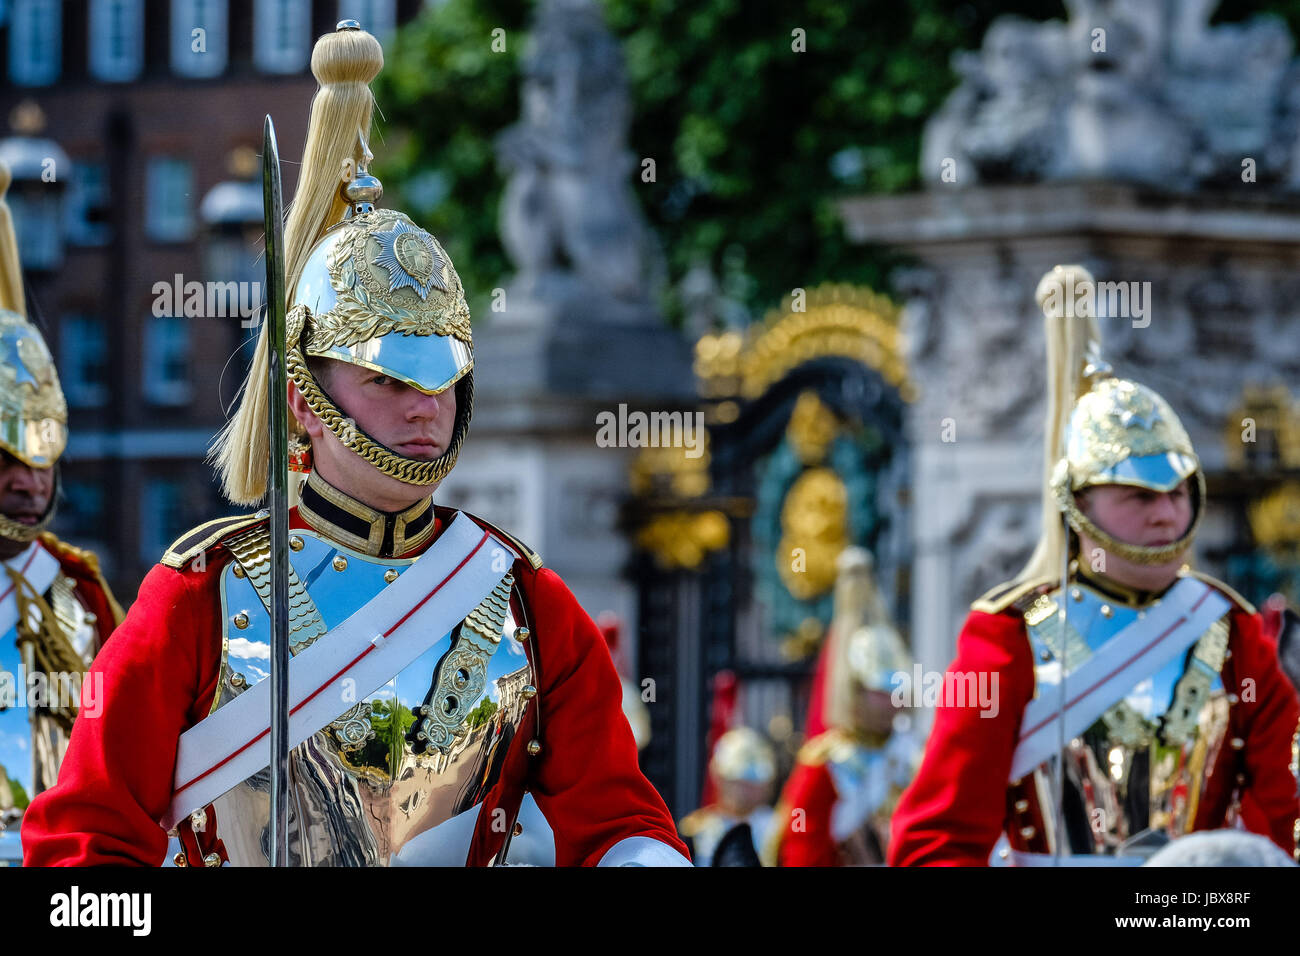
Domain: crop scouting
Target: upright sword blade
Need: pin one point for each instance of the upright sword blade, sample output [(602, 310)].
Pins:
[(278, 497)]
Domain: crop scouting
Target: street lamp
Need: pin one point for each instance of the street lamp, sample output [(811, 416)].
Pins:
[(41, 170)]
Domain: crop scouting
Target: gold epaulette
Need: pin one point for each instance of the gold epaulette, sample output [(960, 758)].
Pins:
[(91, 560), (1018, 593), (694, 822), (528, 554), (53, 543), (816, 749), (198, 540), (1213, 582)]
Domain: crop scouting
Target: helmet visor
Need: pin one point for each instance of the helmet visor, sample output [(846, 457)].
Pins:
[(430, 363), (1157, 472)]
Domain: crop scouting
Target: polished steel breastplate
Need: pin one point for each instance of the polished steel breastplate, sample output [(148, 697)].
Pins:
[(36, 714), (372, 787), (1135, 778), (868, 783)]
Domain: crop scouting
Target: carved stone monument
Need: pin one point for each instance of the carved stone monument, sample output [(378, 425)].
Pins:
[(1157, 150), (576, 331)]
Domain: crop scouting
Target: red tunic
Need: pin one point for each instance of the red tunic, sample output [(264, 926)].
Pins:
[(806, 806), (160, 675), (956, 807)]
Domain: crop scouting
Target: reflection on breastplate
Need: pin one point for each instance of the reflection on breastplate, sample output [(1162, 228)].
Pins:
[(1133, 780), (47, 641), (422, 749)]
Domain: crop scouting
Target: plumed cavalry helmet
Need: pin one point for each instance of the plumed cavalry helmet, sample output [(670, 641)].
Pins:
[(1103, 430), (33, 412), (742, 754), (367, 287), (866, 650)]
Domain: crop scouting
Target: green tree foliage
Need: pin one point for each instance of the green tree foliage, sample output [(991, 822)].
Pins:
[(753, 142), (444, 94), (21, 800), (482, 713)]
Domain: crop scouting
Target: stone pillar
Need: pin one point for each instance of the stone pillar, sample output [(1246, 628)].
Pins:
[(575, 331)]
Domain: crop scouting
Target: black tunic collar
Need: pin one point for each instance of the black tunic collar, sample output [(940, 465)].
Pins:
[(380, 534)]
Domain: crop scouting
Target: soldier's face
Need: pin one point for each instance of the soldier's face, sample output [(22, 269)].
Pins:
[(396, 415), (24, 492), (1142, 517), (740, 798)]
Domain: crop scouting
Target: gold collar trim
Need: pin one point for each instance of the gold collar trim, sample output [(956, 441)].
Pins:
[(380, 534), (1113, 590)]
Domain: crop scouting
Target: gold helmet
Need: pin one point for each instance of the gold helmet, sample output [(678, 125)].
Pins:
[(33, 411), (1103, 430), (866, 650), (367, 286), (743, 755)]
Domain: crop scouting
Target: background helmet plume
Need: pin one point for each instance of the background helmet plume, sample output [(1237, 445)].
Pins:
[(33, 411), (866, 651), (1100, 429), (367, 287)]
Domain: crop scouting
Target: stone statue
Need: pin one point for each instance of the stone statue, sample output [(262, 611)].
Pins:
[(1143, 91), (569, 220)]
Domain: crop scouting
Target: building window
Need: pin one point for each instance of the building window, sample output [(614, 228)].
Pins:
[(83, 354), (281, 36), (116, 39), (35, 42), (86, 207), (162, 517), (199, 37), (82, 518), (375, 16), (37, 219), (169, 200), (167, 360)]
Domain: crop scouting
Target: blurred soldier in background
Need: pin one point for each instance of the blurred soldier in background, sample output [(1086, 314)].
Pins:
[(837, 803), (1157, 677), (743, 769), (56, 610)]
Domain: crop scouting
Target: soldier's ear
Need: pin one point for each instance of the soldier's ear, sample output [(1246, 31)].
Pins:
[(1083, 501), (301, 411)]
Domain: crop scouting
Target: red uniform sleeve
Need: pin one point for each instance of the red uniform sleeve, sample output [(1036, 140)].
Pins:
[(954, 810), (807, 803), (586, 779), (1265, 718), (158, 674)]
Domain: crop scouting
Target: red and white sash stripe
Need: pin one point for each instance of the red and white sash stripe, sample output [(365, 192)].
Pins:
[(352, 661), (38, 568), (1115, 668)]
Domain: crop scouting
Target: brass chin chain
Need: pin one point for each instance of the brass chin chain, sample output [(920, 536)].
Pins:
[(410, 470), (23, 533), (1138, 554), (27, 533)]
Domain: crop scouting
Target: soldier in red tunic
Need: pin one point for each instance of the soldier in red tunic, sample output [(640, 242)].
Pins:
[(439, 671), (56, 610), (836, 805), (1170, 702)]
